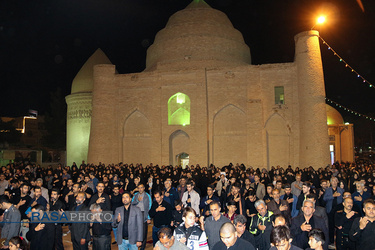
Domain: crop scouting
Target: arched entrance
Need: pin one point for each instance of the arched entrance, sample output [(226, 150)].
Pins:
[(179, 146), (182, 159), (278, 142), (229, 140), (137, 139)]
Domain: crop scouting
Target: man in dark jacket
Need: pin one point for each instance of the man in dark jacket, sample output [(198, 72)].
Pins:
[(40, 235), (240, 223), (56, 205), (319, 211), (80, 234), (206, 200), (278, 206), (101, 232), (362, 231), (236, 197), (343, 222), (161, 212), (261, 225), (230, 241), (170, 193), (281, 239), (101, 198), (304, 223)]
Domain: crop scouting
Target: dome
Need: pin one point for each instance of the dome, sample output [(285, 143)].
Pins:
[(333, 116), (84, 81), (198, 36)]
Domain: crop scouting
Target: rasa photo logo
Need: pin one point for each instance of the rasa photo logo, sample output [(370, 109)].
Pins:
[(71, 217)]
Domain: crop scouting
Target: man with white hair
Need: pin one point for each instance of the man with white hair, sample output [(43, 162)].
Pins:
[(261, 225), (39, 183), (304, 223), (332, 197), (360, 195), (101, 232)]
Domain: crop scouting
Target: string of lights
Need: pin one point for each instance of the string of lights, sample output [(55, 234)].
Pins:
[(346, 64), (350, 110)]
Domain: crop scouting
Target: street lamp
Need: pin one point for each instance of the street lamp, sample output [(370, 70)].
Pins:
[(319, 20)]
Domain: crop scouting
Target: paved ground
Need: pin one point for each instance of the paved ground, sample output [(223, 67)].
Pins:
[(68, 243)]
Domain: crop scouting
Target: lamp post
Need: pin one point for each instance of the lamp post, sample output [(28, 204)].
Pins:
[(319, 20)]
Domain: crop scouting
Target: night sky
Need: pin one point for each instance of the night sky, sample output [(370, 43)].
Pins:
[(44, 43)]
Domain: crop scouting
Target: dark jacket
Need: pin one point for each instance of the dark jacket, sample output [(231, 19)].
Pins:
[(205, 206), (272, 206), (320, 212), (262, 238), (161, 218), (300, 238), (105, 205), (80, 230), (291, 248), (248, 237), (42, 239), (173, 195), (365, 239), (240, 244), (177, 217)]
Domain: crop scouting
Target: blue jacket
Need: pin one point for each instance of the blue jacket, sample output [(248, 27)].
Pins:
[(294, 205), (328, 198), (173, 195), (147, 202), (203, 205), (359, 204)]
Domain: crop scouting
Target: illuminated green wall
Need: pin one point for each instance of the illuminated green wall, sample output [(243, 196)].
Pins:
[(179, 109)]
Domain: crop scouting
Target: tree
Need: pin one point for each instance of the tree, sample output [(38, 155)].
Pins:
[(55, 122)]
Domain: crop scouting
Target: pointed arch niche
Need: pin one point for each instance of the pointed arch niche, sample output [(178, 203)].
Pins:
[(179, 109), (137, 139), (179, 145), (229, 136), (278, 142)]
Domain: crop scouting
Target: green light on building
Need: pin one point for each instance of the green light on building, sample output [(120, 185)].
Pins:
[(179, 110)]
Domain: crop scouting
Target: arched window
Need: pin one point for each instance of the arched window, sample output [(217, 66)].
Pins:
[(179, 109)]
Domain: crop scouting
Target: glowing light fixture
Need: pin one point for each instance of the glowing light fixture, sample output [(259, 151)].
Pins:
[(320, 20), (180, 98), (24, 122)]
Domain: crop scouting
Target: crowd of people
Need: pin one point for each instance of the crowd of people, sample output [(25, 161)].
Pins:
[(230, 207)]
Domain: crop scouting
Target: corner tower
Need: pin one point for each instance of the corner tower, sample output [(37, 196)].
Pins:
[(314, 141), (80, 108)]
